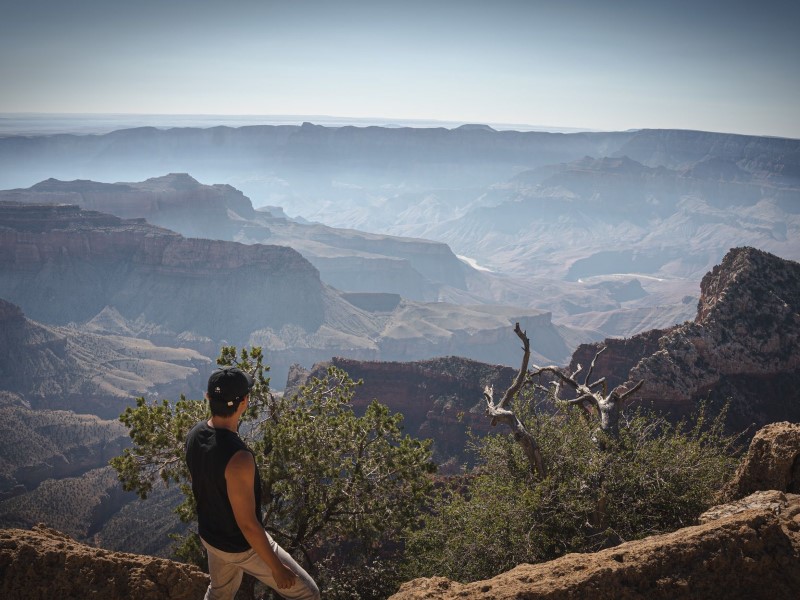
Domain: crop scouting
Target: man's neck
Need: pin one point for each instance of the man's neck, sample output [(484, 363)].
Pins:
[(229, 423)]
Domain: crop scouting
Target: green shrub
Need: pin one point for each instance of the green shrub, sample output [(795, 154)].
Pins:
[(657, 477)]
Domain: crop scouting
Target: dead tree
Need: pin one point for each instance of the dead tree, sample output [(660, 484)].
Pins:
[(588, 396), (501, 414)]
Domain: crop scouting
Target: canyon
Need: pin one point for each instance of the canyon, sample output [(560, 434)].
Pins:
[(410, 255), (741, 348), (553, 219), (62, 265)]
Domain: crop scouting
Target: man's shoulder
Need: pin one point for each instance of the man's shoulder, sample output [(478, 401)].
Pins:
[(196, 433), (241, 464), (198, 427)]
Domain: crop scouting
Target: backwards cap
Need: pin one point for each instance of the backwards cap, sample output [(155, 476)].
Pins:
[(229, 385)]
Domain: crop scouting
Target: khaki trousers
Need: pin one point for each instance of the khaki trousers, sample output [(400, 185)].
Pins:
[(227, 568)]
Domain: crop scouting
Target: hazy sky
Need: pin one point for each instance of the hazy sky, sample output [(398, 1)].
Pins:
[(618, 64)]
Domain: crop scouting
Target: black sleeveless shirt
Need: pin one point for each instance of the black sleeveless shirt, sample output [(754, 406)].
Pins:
[(208, 451)]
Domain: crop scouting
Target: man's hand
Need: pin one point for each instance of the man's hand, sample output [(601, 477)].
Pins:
[(284, 577)]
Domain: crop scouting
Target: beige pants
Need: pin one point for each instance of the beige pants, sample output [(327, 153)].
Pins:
[(226, 570)]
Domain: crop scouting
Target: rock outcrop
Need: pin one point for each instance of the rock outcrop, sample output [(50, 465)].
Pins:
[(43, 564), (772, 462), (743, 346)]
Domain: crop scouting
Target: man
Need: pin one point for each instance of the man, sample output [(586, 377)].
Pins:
[(227, 489)]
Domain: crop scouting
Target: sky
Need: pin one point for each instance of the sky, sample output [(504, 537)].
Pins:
[(712, 65)]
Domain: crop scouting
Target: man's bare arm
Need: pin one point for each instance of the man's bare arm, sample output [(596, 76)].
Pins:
[(239, 478)]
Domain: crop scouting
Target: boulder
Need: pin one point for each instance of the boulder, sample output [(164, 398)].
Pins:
[(772, 462)]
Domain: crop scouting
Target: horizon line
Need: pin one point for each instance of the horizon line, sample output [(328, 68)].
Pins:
[(40, 125)]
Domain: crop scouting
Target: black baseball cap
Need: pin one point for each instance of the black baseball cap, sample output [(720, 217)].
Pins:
[(229, 385)]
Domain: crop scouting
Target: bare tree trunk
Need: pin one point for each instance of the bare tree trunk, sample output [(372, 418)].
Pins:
[(500, 414)]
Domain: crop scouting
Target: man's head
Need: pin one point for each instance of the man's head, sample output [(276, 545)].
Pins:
[(227, 387)]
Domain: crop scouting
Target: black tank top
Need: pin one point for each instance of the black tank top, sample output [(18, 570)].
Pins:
[(208, 451)]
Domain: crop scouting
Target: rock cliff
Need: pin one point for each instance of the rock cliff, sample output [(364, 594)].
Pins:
[(440, 399), (772, 462), (743, 346), (750, 555), (63, 264)]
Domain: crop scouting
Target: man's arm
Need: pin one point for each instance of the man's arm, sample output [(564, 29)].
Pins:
[(239, 477)]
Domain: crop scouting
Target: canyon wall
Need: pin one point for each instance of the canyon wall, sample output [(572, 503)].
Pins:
[(743, 346), (440, 399), (65, 265)]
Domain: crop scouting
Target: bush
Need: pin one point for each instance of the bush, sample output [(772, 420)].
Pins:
[(656, 477)]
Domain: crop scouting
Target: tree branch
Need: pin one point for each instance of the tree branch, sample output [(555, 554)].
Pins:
[(591, 367), (631, 391), (599, 382), (523, 369)]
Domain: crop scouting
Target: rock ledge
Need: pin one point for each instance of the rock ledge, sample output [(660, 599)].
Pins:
[(43, 563)]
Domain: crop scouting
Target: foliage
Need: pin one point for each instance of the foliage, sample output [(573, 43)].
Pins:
[(327, 474), (367, 579), (328, 470), (656, 477)]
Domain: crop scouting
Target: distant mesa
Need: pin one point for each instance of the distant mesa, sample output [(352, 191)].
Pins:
[(475, 127), (161, 200), (346, 259)]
